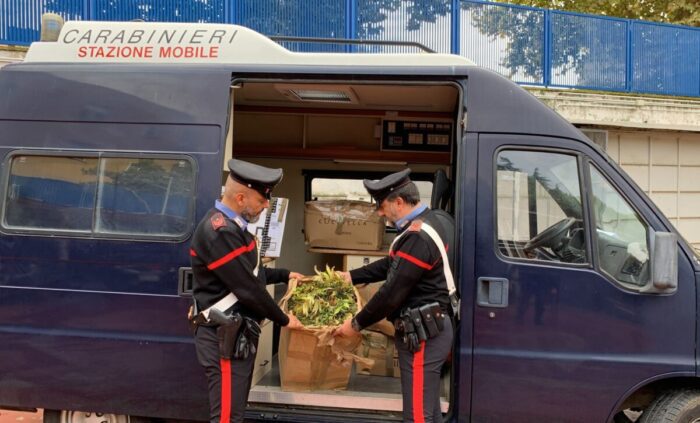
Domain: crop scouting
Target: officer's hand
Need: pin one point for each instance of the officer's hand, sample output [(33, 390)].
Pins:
[(296, 275), (346, 276), (345, 330), (294, 323)]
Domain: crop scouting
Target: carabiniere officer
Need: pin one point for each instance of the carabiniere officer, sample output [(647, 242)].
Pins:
[(415, 296), (229, 289)]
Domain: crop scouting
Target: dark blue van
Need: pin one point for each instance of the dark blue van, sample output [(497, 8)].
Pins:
[(579, 299)]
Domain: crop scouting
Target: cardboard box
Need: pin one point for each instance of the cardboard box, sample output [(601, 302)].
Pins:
[(343, 224), (380, 348), (312, 359), (366, 292)]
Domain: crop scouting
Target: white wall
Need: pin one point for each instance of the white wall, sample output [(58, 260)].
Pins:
[(666, 165)]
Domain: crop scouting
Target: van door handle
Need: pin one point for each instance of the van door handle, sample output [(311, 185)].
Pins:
[(185, 281), (492, 292)]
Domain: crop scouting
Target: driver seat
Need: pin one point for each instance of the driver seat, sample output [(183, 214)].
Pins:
[(442, 191)]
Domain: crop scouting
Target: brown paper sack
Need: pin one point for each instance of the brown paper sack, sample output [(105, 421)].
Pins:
[(312, 359)]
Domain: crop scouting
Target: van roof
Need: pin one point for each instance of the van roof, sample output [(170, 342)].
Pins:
[(200, 43)]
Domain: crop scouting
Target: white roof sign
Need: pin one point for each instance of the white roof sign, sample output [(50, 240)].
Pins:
[(142, 42)]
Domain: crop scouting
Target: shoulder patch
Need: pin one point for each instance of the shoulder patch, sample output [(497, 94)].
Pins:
[(217, 221), (415, 226)]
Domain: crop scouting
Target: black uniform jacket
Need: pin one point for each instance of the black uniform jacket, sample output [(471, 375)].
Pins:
[(224, 256), (413, 271)]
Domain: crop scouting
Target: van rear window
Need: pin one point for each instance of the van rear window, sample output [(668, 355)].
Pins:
[(110, 196)]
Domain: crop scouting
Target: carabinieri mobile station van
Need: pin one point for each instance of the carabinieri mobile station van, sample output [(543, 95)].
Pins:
[(578, 297)]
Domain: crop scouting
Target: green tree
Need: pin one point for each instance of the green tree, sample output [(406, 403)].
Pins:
[(682, 12)]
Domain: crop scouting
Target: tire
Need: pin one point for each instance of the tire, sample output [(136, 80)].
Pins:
[(679, 406), (67, 416)]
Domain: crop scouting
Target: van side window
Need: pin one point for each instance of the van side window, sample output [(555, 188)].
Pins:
[(107, 196), (539, 208), (620, 233), (144, 196), (48, 192)]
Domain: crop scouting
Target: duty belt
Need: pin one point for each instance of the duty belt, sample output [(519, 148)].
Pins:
[(419, 324)]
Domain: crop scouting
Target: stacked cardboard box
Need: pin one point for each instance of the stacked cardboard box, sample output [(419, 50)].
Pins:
[(366, 292), (343, 224), (379, 348)]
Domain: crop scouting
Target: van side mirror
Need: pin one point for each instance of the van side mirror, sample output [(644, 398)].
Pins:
[(664, 263)]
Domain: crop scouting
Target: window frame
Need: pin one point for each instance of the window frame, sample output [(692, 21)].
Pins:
[(622, 285), (91, 233), (585, 212)]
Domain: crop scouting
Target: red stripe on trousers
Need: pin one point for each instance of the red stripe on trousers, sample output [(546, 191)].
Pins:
[(230, 256), (225, 390), (414, 260), (418, 356)]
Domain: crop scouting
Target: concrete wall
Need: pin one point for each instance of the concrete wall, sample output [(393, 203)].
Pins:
[(10, 54)]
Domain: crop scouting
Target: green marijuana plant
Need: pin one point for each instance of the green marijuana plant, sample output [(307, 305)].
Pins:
[(326, 301)]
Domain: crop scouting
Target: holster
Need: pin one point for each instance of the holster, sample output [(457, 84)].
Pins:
[(227, 330), (247, 341), (406, 331)]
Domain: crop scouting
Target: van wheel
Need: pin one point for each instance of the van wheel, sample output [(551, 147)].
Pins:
[(67, 416), (681, 406)]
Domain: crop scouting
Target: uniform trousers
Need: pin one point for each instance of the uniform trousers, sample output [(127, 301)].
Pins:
[(228, 380), (420, 376)]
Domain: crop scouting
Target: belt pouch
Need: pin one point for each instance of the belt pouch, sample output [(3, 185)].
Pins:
[(427, 313)]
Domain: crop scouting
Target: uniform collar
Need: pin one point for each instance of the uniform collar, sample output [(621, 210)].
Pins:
[(402, 223), (242, 223)]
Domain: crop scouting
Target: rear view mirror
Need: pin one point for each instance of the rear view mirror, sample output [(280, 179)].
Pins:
[(664, 263)]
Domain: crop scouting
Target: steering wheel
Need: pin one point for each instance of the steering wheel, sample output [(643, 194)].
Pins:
[(547, 237)]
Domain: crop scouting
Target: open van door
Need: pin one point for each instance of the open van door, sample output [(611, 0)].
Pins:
[(563, 327)]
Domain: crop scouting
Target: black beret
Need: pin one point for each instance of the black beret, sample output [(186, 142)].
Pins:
[(381, 189), (260, 178)]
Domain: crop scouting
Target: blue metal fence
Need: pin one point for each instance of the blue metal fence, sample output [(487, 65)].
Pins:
[(508, 39), (529, 45), (297, 18)]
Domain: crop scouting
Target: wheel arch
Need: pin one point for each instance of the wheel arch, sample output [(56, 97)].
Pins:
[(643, 393)]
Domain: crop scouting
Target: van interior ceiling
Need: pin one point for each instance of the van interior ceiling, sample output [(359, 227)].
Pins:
[(347, 130)]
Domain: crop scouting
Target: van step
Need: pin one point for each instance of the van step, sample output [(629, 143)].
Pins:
[(364, 392)]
